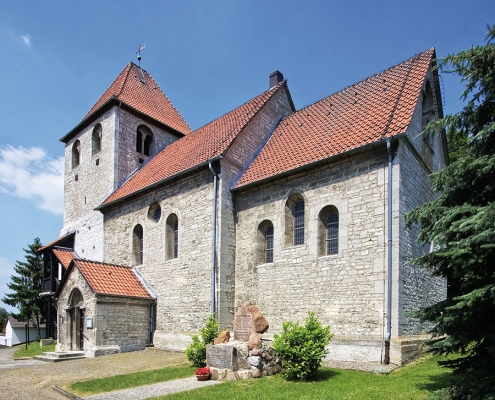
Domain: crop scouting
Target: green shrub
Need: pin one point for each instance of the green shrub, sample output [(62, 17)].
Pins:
[(196, 351), (302, 348)]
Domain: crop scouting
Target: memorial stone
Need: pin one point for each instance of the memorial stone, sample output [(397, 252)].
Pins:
[(248, 319), (222, 356)]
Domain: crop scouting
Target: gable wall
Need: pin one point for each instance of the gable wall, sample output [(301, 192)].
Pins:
[(75, 281), (245, 145), (417, 158)]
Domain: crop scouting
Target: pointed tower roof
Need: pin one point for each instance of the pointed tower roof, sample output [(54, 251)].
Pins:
[(135, 90), (376, 108)]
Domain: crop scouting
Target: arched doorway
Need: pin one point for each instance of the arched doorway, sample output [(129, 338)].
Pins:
[(76, 312)]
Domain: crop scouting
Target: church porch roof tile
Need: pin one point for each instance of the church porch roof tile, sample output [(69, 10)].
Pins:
[(65, 256), (111, 279)]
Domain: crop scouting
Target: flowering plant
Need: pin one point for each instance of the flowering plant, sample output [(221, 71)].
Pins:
[(203, 371)]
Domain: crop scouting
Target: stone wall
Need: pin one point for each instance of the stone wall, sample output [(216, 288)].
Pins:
[(345, 290), (97, 175), (120, 324), (182, 284), (417, 158), (128, 158), (87, 185), (75, 282), (235, 159)]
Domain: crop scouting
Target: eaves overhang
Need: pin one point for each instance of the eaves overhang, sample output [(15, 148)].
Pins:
[(111, 102), (157, 183), (316, 164)]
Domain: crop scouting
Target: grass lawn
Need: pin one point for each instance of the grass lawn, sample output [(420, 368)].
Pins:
[(134, 379), (34, 349), (415, 381)]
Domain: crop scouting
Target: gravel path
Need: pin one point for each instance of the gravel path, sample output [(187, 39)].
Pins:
[(157, 389)]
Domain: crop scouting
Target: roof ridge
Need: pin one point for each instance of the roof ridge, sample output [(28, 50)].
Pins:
[(275, 88), (410, 59), (102, 263), (129, 66)]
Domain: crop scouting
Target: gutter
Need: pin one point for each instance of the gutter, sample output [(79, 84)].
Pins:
[(214, 237), (388, 333)]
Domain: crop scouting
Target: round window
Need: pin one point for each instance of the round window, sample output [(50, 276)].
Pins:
[(155, 212)]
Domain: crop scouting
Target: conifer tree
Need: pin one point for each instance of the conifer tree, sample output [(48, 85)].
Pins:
[(461, 224), (27, 284)]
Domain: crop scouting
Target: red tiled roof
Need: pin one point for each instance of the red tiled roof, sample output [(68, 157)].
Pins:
[(111, 279), (65, 256), (146, 97), (198, 147), (376, 108)]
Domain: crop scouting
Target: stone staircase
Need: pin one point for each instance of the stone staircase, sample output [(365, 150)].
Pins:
[(57, 356)]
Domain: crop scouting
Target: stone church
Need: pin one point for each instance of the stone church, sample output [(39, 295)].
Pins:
[(291, 210)]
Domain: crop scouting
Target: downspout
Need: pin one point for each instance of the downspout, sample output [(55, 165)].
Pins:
[(389, 257), (214, 238)]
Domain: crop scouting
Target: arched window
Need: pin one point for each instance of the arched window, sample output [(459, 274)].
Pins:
[(137, 245), (144, 141), (299, 223), (264, 250), (294, 220), (76, 153), (96, 140), (269, 245), (172, 237), (147, 145), (328, 231), (333, 233), (139, 141)]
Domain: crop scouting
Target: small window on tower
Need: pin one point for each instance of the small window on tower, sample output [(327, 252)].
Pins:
[(144, 141), (96, 140), (76, 153)]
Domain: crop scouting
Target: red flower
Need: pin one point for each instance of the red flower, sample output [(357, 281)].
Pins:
[(203, 371)]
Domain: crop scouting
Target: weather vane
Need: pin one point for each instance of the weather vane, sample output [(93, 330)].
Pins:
[(138, 52)]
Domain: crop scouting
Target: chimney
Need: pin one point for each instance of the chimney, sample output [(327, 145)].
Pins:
[(275, 78)]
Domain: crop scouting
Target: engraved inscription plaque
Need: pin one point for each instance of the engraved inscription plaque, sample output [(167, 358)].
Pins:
[(243, 327), (222, 356)]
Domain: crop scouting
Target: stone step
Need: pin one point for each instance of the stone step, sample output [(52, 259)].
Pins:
[(57, 356)]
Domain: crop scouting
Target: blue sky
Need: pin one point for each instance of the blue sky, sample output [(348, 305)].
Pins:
[(58, 57)]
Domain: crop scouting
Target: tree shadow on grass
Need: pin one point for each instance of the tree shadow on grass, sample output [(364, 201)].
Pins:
[(325, 374), (437, 382)]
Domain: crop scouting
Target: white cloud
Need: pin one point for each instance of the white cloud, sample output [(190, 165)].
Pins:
[(30, 174), (27, 39)]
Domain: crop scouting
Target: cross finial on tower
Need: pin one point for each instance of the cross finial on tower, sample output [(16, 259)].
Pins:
[(138, 52)]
